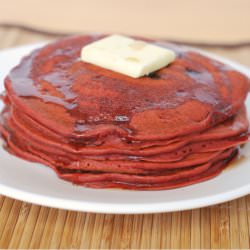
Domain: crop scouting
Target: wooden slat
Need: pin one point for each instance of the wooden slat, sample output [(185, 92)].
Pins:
[(87, 231), (4, 215), (205, 228), (10, 223), (146, 231), (176, 230), (1, 200), (243, 224), (97, 231), (29, 227), (185, 234), (136, 231), (224, 226), (78, 228), (24, 225), (117, 232), (49, 228), (125, 240), (156, 233), (166, 230), (234, 225), (195, 229), (38, 230), (215, 227), (107, 231), (68, 230), (58, 231), (19, 225)]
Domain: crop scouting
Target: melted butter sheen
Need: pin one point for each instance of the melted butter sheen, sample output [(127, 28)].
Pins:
[(90, 94)]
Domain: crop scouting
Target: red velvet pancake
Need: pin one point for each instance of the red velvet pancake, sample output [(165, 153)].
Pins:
[(180, 125)]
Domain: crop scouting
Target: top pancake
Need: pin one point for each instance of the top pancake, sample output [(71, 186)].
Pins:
[(77, 99)]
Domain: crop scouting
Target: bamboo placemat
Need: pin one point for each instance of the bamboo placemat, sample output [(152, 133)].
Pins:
[(23, 225)]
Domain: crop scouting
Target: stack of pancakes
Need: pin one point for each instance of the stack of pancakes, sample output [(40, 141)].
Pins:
[(180, 125)]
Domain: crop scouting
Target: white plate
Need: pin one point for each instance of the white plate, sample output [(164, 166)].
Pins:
[(38, 184)]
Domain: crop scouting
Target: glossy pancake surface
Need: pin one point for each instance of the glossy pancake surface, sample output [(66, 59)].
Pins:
[(180, 125), (72, 97)]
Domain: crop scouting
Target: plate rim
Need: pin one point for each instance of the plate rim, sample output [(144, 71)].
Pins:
[(99, 207)]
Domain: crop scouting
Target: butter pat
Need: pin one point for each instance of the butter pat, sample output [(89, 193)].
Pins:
[(127, 56)]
